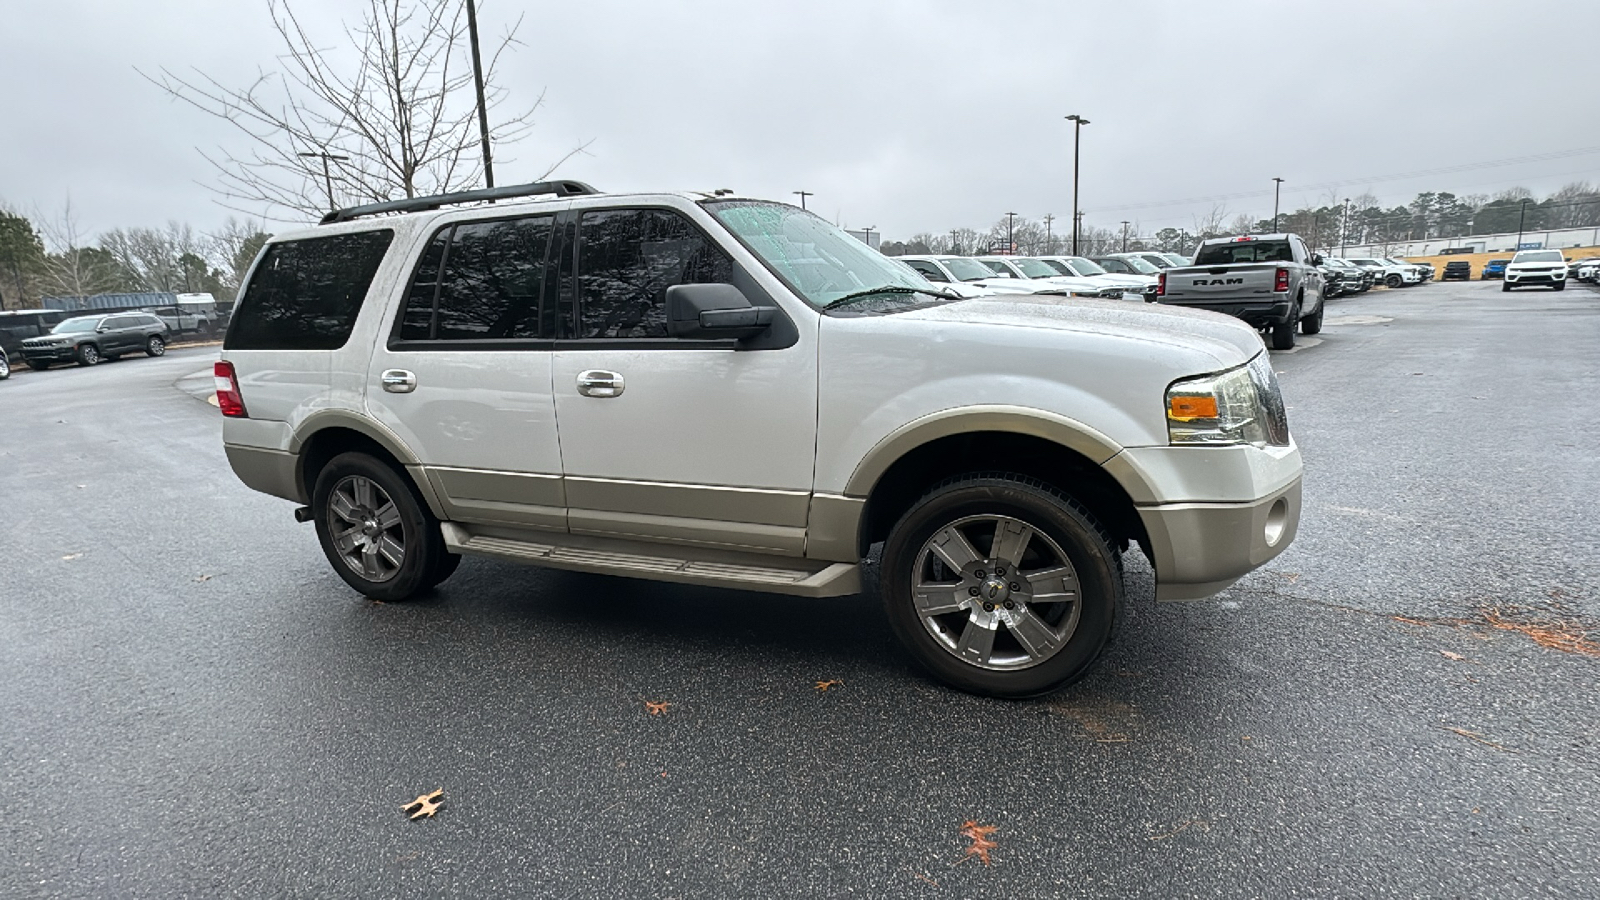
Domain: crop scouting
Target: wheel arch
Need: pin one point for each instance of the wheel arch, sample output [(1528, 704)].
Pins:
[(1061, 452), (327, 434)]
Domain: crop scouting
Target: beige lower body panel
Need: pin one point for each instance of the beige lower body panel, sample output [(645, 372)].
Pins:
[(706, 566), (268, 471), (1200, 549)]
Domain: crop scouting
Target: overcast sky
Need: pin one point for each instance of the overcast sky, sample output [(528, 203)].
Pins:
[(906, 116)]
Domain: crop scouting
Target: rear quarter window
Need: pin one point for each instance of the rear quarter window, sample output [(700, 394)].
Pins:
[(305, 295)]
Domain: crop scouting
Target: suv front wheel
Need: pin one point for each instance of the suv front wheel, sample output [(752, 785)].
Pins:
[(376, 531), (1000, 585)]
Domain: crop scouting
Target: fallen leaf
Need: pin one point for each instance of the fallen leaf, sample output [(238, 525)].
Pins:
[(202, 578), (1451, 656), (424, 805), (656, 707), (922, 877), (981, 845), (72, 556), (1474, 736), (832, 682)]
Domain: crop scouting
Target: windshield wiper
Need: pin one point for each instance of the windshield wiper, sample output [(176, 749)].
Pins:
[(888, 289)]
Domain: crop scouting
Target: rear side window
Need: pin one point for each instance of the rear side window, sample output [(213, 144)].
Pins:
[(480, 281), (304, 295), (626, 261)]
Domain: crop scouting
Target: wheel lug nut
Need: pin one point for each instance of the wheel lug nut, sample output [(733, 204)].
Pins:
[(999, 571), (973, 591), (978, 574), (1015, 586), (988, 607), (1010, 605)]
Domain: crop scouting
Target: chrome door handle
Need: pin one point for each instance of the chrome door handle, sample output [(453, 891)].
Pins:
[(399, 381), (600, 383)]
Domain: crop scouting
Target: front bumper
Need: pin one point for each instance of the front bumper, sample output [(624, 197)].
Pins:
[(63, 353), (1199, 549), (1536, 277)]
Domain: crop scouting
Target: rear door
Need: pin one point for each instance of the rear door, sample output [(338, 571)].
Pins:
[(462, 372)]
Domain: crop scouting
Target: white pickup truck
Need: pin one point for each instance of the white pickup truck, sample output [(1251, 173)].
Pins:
[(1270, 281)]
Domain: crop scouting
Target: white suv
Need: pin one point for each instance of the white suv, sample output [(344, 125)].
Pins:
[(1541, 267), (735, 393)]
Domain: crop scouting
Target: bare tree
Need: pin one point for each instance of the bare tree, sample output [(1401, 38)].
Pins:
[(159, 259), (72, 268), (232, 250), (1210, 225), (402, 112)]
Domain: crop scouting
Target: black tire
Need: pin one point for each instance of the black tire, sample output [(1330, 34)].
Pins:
[(1505, 286), (448, 562), (5, 367), (1394, 281), (88, 355), (155, 346), (1313, 323), (1561, 286), (1283, 332), (38, 365), (410, 527), (1058, 536)]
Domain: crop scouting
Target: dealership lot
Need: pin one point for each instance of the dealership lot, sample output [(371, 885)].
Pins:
[(198, 705)]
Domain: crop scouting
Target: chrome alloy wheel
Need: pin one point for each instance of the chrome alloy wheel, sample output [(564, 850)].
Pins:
[(366, 528), (1012, 607)]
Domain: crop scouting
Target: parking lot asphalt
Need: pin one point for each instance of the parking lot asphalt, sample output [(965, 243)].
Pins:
[(195, 705)]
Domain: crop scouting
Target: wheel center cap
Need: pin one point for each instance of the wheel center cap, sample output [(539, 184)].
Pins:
[(993, 590)]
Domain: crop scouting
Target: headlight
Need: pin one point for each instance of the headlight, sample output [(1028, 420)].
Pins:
[(1240, 406)]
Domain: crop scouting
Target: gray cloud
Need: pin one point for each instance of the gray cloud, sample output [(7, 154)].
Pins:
[(905, 116)]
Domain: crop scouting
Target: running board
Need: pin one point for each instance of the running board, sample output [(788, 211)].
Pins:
[(662, 562)]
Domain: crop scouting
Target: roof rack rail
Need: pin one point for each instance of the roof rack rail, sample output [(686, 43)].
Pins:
[(418, 204)]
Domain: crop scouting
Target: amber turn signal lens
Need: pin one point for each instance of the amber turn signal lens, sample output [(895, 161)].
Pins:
[(1185, 408)]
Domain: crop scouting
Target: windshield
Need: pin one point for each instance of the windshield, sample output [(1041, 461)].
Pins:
[(85, 323), (1541, 256), (966, 268), (1177, 259), (1157, 260), (1084, 267), (1034, 268), (817, 259), (1498, 262), (1244, 252), (1140, 265)]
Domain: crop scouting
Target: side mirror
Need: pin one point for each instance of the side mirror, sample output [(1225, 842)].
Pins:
[(711, 311), (101, 330), (1316, 259)]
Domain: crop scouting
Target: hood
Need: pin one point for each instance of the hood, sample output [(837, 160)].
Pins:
[(1133, 281), (1228, 340)]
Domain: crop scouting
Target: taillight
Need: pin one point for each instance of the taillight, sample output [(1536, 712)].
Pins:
[(1281, 281), (229, 399), (1161, 285)]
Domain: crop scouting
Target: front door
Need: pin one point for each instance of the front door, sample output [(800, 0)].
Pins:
[(689, 441), (463, 376)]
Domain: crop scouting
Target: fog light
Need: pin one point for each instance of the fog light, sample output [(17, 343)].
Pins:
[(1277, 518)]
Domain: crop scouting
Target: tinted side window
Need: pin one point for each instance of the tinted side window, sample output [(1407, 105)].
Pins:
[(928, 270), (304, 295), (627, 258)]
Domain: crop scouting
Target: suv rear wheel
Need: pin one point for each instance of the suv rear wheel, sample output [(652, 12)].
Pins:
[(5, 367), (1000, 585), (155, 346), (376, 531)]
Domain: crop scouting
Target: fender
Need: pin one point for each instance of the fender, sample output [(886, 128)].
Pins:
[(1068, 432)]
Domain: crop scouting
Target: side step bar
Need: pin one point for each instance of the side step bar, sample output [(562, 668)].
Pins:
[(663, 562)]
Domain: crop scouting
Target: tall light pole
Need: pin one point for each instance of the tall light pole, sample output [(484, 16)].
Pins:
[(1521, 215), (803, 196), (1344, 229), (1077, 127), (327, 175), (955, 249), (1124, 236), (866, 235), (477, 79), (1048, 240), (1011, 246), (1276, 184)]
